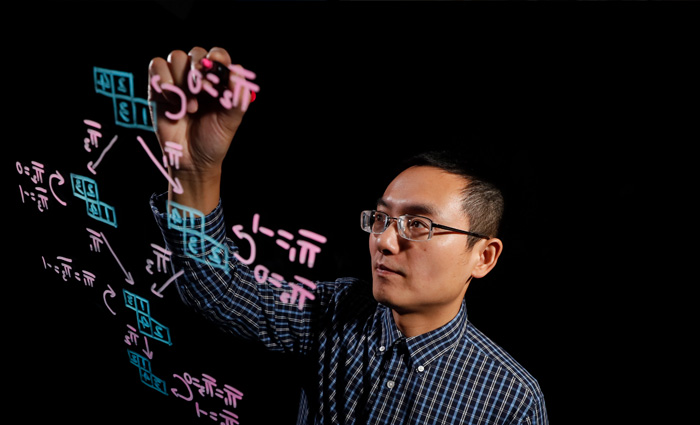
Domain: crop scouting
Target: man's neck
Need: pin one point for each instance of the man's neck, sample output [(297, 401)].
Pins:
[(416, 323)]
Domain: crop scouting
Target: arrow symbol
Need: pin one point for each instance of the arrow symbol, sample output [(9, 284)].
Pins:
[(177, 186), (61, 180), (147, 352), (129, 279), (91, 166), (111, 294), (159, 292)]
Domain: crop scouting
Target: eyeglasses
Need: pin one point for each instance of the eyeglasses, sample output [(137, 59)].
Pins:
[(411, 227)]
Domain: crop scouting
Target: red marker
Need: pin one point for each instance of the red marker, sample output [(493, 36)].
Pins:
[(216, 68), (207, 63)]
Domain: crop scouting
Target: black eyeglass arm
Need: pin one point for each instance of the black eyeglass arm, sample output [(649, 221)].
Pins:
[(477, 235)]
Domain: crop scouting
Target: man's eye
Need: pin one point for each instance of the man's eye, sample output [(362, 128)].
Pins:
[(418, 224)]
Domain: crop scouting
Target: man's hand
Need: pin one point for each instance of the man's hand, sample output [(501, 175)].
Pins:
[(202, 126)]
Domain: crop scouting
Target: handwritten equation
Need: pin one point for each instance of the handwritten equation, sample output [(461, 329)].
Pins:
[(239, 76), (39, 192), (64, 267), (206, 387), (304, 249)]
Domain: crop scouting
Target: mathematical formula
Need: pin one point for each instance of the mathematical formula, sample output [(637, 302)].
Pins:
[(305, 252)]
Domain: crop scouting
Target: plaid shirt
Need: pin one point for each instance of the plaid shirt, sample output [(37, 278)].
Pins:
[(366, 371)]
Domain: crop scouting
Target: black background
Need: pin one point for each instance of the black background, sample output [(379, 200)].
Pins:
[(579, 112)]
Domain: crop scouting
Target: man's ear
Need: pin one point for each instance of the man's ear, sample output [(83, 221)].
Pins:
[(490, 250)]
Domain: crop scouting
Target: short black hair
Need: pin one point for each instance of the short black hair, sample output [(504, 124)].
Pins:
[(482, 200)]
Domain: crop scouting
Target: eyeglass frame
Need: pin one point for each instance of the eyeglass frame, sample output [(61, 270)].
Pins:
[(433, 225)]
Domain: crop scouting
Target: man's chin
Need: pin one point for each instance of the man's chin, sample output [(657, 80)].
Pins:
[(382, 294)]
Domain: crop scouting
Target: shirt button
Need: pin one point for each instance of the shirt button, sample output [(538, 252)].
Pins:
[(421, 368), (390, 384), (382, 348)]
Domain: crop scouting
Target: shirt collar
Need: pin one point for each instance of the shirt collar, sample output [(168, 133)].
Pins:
[(425, 348), (390, 332)]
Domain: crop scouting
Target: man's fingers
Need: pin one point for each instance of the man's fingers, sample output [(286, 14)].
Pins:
[(168, 82), (179, 67), (219, 55), (185, 80), (203, 63), (196, 55), (159, 73)]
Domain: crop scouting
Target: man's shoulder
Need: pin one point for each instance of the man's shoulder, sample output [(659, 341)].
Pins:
[(495, 355), (351, 291), (344, 293)]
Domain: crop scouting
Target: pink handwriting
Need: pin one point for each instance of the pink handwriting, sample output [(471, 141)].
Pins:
[(208, 388), (64, 267), (162, 257), (109, 293), (177, 187), (132, 338), (158, 87), (226, 417), (242, 88), (93, 135), (174, 151), (40, 193), (307, 251), (92, 141), (98, 238), (159, 292), (284, 239)]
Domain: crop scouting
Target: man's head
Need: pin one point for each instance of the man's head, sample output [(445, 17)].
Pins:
[(428, 276)]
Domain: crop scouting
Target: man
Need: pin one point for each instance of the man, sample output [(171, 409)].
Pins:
[(397, 351)]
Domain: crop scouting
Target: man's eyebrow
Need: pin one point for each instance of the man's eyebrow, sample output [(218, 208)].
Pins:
[(416, 209)]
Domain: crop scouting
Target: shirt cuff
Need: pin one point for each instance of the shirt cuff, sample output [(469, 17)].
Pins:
[(187, 232)]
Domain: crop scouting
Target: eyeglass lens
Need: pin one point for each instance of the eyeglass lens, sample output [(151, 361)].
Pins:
[(410, 227)]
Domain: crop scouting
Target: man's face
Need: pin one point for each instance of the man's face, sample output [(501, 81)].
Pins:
[(421, 276)]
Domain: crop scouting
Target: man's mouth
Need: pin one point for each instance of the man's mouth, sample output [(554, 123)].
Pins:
[(384, 270)]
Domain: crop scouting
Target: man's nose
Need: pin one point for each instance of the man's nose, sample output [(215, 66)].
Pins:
[(388, 241)]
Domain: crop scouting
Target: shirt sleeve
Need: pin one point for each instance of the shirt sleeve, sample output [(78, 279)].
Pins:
[(535, 413), (225, 291)]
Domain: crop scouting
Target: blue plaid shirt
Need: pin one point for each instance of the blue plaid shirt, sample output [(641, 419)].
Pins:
[(366, 371)]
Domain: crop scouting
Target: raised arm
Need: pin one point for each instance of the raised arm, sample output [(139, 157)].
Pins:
[(189, 111), (196, 114)]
